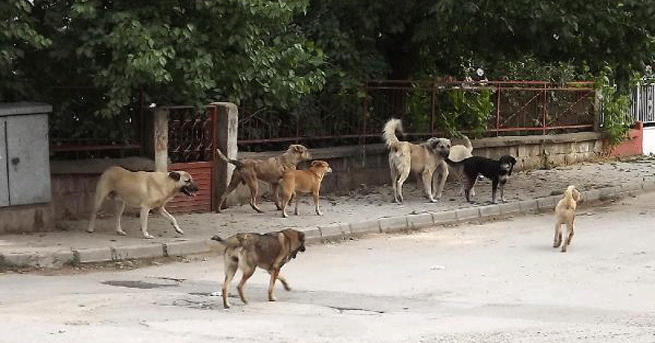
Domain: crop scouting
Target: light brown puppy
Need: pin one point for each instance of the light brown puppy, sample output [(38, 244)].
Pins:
[(269, 251), (565, 214), (424, 159), (270, 170), (146, 190), (303, 181), (457, 153)]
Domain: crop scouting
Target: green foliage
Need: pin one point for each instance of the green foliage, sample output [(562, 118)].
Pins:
[(456, 110), (614, 108), (530, 68), (466, 110), (17, 34), (178, 52), (558, 40)]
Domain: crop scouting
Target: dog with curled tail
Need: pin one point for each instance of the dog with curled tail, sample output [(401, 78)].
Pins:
[(565, 214), (424, 159)]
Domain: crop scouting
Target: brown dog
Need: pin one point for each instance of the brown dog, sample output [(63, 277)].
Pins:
[(424, 159), (269, 170), (565, 214), (268, 251), (303, 181), (146, 190)]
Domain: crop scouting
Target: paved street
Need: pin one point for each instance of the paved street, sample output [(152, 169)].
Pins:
[(493, 282)]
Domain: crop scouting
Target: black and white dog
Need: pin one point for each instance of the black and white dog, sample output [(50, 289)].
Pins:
[(498, 171)]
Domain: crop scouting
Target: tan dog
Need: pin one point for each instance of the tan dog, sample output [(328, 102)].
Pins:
[(461, 151), (457, 153), (146, 190), (303, 181), (565, 214), (270, 251), (424, 159), (269, 170)]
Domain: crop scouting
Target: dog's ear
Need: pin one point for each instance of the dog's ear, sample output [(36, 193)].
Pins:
[(175, 176)]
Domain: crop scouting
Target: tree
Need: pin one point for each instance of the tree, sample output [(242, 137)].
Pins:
[(418, 38), (178, 52), (17, 33)]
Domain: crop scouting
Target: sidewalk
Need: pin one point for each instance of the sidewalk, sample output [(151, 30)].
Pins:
[(366, 210)]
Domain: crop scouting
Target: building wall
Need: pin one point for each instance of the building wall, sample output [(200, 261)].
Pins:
[(649, 140)]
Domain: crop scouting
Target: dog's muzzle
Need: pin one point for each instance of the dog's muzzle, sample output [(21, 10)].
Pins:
[(189, 189), (295, 252)]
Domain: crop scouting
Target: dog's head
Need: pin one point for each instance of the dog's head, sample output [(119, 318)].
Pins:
[(439, 146), (184, 182), (320, 167), (300, 152), (507, 163), (296, 241), (573, 192)]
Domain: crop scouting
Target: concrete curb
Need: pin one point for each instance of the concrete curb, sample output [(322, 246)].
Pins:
[(318, 234)]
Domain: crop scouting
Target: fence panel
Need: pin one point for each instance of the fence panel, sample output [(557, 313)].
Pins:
[(642, 108), (191, 142)]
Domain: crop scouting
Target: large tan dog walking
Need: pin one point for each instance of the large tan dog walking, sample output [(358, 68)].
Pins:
[(565, 214), (303, 181), (424, 159), (145, 190), (270, 251), (270, 170)]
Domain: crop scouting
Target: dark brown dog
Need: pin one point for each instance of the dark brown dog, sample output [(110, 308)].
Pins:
[(269, 170), (269, 251), (303, 181)]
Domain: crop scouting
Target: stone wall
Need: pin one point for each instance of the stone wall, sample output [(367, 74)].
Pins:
[(355, 166)]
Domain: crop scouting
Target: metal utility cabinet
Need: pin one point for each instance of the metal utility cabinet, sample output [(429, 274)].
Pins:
[(24, 154)]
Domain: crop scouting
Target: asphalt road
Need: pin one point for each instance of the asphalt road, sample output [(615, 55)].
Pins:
[(492, 282)]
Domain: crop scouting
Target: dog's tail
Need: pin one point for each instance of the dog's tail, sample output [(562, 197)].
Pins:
[(389, 133), (467, 144), (234, 241), (570, 197), (236, 163)]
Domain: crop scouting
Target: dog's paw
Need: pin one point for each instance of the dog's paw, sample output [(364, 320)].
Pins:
[(121, 232), (178, 230), (148, 236)]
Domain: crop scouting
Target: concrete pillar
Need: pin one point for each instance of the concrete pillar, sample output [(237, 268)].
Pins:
[(161, 139), (226, 125)]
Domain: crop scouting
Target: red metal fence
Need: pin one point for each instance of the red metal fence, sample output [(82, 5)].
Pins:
[(519, 107), (191, 141), (515, 108)]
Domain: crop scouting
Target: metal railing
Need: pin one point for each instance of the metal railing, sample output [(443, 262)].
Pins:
[(643, 106)]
